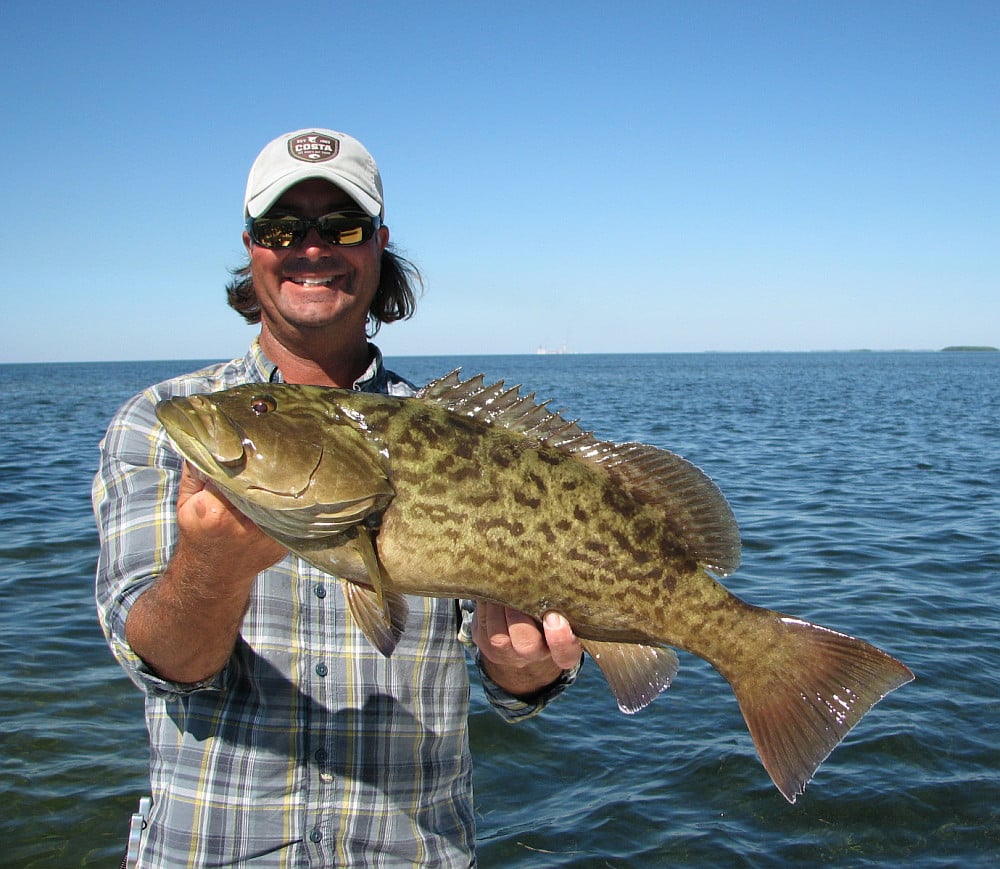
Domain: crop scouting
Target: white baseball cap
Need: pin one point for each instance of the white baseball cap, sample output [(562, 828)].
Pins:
[(313, 153)]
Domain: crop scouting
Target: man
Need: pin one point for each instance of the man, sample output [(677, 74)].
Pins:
[(278, 735)]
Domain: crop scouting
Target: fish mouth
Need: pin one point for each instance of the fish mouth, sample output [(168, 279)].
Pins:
[(205, 432)]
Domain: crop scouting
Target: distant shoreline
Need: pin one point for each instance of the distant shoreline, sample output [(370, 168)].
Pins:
[(964, 349)]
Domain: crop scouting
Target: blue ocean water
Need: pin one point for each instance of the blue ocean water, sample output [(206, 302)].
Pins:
[(866, 487)]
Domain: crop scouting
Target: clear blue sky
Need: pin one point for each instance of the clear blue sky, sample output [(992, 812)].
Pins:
[(636, 176)]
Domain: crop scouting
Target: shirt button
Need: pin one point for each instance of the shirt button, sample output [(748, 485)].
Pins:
[(320, 591), (320, 755), (322, 669), (315, 835)]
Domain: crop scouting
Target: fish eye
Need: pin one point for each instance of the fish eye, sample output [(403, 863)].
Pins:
[(261, 404)]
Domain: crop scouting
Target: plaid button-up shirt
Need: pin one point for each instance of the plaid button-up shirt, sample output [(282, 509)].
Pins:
[(309, 748)]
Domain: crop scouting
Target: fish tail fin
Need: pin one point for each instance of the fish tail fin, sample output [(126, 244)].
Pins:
[(809, 686)]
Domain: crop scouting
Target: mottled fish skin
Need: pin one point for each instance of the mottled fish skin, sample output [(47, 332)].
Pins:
[(474, 491)]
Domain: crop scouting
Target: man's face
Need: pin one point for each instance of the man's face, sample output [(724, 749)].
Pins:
[(315, 285)]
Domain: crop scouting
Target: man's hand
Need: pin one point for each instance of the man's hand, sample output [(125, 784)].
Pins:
[(522, 657), (213, 531), (185, 625)]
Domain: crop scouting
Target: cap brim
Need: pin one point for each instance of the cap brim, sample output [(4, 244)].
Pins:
[(265, 199)]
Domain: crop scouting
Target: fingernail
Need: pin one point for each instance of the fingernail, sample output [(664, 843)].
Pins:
[(554, 621)]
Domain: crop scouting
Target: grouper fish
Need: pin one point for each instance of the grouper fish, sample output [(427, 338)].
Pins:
[(469, 490)]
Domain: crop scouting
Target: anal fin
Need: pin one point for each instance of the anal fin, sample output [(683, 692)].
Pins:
[(636, 674)]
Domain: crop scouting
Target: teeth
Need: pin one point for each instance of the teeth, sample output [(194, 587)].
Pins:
[(306, 282)]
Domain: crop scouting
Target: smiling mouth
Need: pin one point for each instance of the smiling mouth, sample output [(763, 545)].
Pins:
[(313, 282)]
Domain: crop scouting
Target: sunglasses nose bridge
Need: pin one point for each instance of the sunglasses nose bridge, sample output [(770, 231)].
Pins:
[(312, 237)]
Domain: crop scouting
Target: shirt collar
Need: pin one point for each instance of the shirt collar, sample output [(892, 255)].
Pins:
[(262, 370), (259, 368), (374, 379)]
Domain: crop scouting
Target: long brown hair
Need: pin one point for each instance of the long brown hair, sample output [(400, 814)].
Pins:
[(395, 299)]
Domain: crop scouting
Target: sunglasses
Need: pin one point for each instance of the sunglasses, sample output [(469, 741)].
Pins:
[(346, 228)]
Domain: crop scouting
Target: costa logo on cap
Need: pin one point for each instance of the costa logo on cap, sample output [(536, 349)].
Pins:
[(313, 148)]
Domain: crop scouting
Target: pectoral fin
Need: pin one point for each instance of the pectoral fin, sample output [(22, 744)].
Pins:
[(316, 521), (636, 674), (366, 549), (380, 614), (381, 620)]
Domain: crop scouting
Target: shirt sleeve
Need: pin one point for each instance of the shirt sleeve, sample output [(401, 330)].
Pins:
[(134, 496), (512, 709)]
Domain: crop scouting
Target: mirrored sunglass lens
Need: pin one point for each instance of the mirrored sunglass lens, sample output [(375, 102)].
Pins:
[(344, 230), (276, 232), (354, 235)]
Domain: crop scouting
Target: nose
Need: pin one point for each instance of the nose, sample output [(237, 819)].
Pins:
[(314, 244)]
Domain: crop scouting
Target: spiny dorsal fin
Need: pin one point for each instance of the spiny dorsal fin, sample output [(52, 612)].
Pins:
[(497, 404), (657, 477)]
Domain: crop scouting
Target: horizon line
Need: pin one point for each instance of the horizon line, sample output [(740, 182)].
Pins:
[(958, 348)]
